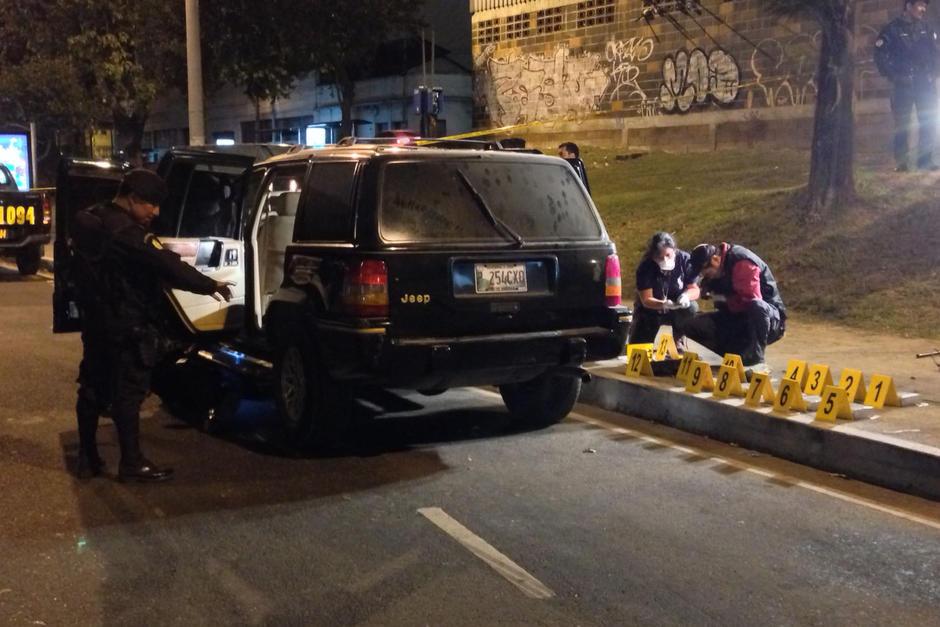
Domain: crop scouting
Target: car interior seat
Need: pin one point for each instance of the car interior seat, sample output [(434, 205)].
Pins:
[(278, 227)]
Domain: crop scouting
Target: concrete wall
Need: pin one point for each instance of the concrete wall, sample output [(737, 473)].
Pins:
[(596, 72)]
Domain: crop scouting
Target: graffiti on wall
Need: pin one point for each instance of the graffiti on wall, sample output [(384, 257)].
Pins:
[(696, 78), (532, 87), (624, 57), (784, 72)]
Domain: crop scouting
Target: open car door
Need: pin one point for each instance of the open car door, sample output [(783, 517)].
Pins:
[(201, 222)]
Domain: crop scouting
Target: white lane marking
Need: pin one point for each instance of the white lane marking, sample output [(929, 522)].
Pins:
[(515, 574), (842, 496)]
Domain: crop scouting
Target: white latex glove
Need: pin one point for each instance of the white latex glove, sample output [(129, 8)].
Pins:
[(669, 305), (684, 302)]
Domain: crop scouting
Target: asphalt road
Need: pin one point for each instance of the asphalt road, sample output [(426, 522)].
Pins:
[(437, 512)]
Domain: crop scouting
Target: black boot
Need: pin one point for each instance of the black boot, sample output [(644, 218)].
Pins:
[(145, 471)]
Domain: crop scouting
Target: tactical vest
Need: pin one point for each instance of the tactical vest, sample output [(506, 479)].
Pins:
[(768, 284)]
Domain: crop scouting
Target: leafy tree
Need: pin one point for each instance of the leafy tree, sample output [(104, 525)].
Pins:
[(81, 63), (832, 164), (128, 53), (346, 37), (255, 46)]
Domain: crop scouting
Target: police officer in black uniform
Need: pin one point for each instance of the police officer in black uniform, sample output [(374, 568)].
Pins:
[(906, 54), (121, 271), (570, 152)]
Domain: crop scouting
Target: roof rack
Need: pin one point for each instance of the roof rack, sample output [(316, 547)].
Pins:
[(442, 143)]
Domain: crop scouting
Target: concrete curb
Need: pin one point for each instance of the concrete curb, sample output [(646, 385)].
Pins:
[(888, 462)]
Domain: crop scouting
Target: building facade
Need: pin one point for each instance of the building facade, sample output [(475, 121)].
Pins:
[(671, 74)]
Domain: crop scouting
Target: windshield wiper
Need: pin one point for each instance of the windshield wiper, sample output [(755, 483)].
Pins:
[(498, 224)]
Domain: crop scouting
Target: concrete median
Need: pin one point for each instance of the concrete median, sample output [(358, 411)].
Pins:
[(876, 458)]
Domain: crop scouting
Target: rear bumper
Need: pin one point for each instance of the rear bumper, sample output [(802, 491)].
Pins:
[(442, 362), (37, 238)]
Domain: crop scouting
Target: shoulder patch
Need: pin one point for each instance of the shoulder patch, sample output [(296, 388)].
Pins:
[(153, 241)]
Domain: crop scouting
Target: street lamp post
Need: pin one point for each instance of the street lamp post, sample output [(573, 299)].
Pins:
[(197, 131)]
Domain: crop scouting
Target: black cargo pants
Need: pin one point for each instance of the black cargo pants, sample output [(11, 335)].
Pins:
[(114, 379), (646, 322), (746, 334), (907, 94)]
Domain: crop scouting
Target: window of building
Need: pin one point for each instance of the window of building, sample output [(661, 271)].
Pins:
[(327, 214), (487, 31), (549, 20), (517, 26), (593, 12), (281, 130)]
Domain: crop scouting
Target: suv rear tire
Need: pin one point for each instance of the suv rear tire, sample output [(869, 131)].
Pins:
[(28, 259), (302, 394), (541, 401)]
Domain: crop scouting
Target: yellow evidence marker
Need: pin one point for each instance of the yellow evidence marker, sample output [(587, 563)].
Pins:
[(638, 360), (760, 390), (834, 404), (817, 378), (789, 396), (734, 362), (853, 382), (796, 369), (700, 378), (685, 366), (666, 349), (881, 392), (727, 383)]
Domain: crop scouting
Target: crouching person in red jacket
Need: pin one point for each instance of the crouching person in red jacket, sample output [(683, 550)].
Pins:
[(750, 313)]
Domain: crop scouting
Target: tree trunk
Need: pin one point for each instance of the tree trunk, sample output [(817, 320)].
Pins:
[(257, 102), (129, 131), (832, 178), (346, 92)]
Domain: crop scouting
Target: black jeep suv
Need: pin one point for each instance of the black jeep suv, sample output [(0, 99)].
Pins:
[(426, 268), (398, 266)]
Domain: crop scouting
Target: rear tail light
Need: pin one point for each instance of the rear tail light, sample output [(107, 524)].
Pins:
[(46, 210), (365, 289), (612, 284)]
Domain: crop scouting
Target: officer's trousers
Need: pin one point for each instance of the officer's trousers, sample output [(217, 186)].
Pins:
[(114, 379), (920, 94), (746, 334)]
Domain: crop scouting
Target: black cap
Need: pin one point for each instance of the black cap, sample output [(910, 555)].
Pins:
[(701, 255), (146, 185)]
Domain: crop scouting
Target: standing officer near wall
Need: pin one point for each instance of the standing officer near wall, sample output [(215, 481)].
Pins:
[(122, 270), (906, 54)]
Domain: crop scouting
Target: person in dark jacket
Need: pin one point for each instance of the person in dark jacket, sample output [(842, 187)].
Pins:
[(121, 271), (906, 54), (570, 152), (750, 313), (666, 290)]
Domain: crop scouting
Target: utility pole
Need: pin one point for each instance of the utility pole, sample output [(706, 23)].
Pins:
[(197, 126)]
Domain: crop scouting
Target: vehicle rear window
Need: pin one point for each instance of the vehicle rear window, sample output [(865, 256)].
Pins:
[(449, 201)]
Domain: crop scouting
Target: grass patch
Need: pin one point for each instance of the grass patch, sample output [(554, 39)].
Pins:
[(876, 265)]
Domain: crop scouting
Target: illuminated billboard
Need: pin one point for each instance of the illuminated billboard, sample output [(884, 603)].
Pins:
[(14, 154)]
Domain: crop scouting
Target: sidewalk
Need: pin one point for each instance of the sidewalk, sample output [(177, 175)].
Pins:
[(896, 447)]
